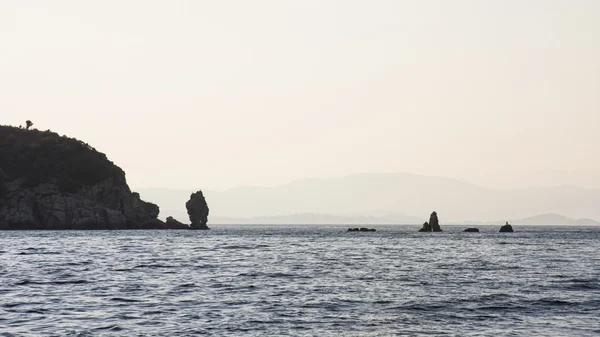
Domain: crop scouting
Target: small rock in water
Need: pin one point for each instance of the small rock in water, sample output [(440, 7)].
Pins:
[(506, 228), (472, 230), (362, 229)]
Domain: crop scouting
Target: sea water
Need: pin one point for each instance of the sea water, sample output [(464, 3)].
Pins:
[(301, 281)]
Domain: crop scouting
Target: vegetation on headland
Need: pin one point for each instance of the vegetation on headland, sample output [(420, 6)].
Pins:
[(33, 157)]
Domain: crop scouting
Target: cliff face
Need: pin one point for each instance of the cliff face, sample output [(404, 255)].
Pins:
[(53, 182), (105, 205)]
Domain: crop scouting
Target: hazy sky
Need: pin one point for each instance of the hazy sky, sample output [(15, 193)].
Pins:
[(217, 94)]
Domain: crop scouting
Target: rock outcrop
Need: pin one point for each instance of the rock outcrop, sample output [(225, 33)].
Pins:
[(506, 228), (433, 225), (426, 227), (472, 230), (362, 229), (434, 222), (198, 211), (54, 182), (173, 223)]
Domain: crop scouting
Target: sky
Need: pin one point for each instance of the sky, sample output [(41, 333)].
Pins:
[(218, 94)]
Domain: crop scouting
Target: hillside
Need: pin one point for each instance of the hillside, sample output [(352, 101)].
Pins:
[(31, 158)]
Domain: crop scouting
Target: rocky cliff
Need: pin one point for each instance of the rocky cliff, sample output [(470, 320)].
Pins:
[(49, 181)]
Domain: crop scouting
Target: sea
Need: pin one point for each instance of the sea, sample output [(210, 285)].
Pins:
[(308, 280)]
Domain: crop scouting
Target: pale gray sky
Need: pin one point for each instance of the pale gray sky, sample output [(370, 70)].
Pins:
[(217, 94)]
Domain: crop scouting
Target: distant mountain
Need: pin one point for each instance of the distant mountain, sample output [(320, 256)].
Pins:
[(323, 219), (542, 219), (537, 178), (381, 194), (554, 219)]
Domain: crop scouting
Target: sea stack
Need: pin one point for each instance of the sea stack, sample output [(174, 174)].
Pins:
[(197, 210), (434, 223), (506, 228)]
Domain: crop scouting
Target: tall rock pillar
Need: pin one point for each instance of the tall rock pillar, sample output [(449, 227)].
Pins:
[(434, 222), (197, 210)]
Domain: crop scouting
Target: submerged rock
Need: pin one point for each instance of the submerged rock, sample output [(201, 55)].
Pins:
[(198, 211), (362, 229), (472, 230), (506, 228)]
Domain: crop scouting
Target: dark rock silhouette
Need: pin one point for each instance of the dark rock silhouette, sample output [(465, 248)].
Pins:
[(472, 230), (198, 211), (172, 223), (506, 228), (362, 229), (434, 223), (3, 188), (55, 182), (426, 227)]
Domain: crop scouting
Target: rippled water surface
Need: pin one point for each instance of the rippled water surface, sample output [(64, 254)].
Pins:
[(313, 280)]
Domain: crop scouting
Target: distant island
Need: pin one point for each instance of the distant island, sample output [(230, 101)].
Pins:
[(53, 182), (554, 219), (549, 219)]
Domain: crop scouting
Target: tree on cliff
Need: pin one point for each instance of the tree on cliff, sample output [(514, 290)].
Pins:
[(29, 124)]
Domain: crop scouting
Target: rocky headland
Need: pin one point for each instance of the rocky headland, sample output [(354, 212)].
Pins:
[(55, 182)]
